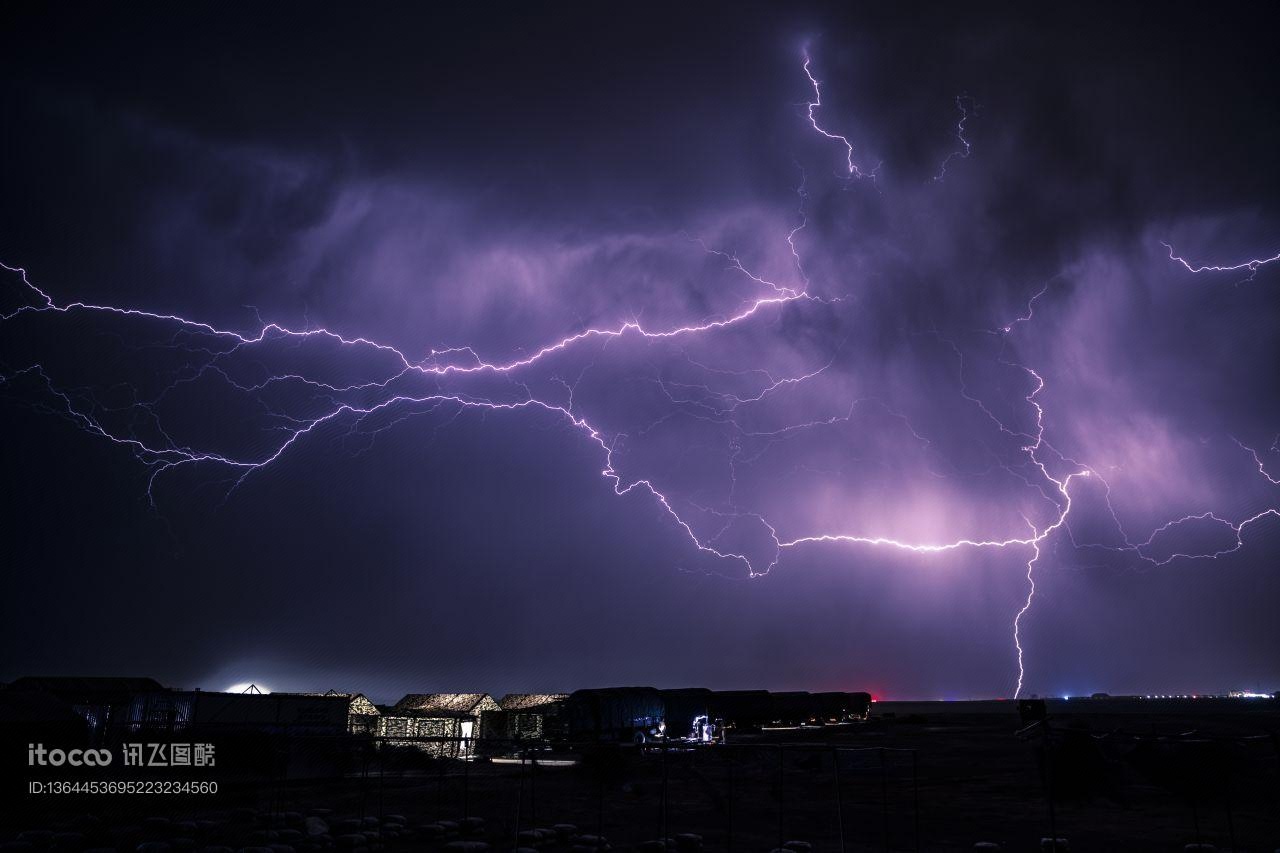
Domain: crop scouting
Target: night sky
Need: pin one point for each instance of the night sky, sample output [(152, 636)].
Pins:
[(538, 347)]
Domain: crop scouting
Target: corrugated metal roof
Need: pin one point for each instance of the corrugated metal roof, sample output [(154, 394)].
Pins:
[(524, 701), (448, 703), (358, 702), (58, 684)]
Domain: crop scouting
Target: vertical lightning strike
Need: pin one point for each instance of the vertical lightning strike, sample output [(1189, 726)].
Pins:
[(163, 454), (802, 213), (1017, 620), (965, 149), (851, 168)]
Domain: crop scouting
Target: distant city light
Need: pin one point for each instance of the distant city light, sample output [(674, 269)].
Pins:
[(248, 687)]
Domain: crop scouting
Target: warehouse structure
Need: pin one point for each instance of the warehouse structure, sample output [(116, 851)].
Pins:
[(526, 717), (438, 724), (441, 724), (362, 714)]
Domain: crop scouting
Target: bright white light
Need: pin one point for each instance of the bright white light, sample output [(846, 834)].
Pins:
[(703, 730), (248, 687)]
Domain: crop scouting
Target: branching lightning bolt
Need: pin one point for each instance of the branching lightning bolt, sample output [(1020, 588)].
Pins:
[(968, 108), (812, 106), (1252, 265), (394, 395)]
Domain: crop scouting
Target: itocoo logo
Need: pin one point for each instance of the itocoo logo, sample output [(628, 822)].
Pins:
[(37, 755)]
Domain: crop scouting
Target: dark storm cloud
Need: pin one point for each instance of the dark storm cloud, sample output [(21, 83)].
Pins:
[(505, 179)]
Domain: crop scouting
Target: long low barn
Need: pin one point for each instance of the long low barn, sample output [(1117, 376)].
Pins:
[(440, 724), (443, 724), (526, 717), (641, 714)]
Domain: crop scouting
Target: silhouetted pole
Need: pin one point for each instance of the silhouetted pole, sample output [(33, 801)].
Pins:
[(884, 797), (519, 796), (466, 781), (440, 780), (835, 759), (915, 795), (662, 824), (364, 782), (1275, 741), (782, 802), (1231, 824), (1048, 786), (729, 814), (600, 816), (533, 791)]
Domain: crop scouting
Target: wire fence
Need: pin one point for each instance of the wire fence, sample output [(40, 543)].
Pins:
[(752, 794)]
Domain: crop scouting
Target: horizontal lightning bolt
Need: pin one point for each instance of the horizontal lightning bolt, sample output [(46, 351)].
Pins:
[(719, 407), (1252, 265)]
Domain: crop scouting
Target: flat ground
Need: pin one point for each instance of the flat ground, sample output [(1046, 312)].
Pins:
[(917, 777)]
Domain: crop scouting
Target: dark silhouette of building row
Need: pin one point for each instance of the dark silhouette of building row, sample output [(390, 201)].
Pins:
[(105, 711)]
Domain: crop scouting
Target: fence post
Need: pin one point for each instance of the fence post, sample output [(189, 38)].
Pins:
[(1231, 824), (782, 798), (466, 781), (519, 797), (884, 797), (364, 780), (729, 814), (835, 762), (662, 822), (1048, 783), (440, 782), (600, 817), (1195, 818), (915, 793)]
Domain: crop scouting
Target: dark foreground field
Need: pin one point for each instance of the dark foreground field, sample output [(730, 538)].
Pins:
[(915, 777)]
